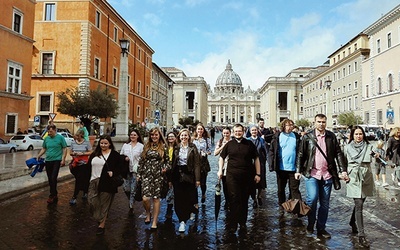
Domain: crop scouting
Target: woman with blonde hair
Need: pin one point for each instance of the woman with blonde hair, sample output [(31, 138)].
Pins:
[(392, 153), (153, 164)]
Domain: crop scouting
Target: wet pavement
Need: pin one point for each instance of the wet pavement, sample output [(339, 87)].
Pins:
[(27, 222)]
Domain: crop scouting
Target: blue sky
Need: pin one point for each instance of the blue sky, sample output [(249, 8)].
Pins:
[(262, 38)]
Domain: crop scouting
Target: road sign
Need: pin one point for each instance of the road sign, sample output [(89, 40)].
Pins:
[(156, 121), (36, 120), (157, 114), (52, 116), (390, 116)]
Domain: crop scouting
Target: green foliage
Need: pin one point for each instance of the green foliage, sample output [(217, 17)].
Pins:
[(185, 121), (349, 119), (142, 130), (304, 123), (96, 104)]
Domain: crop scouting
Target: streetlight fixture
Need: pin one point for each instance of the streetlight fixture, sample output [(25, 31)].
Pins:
[(122, 118)]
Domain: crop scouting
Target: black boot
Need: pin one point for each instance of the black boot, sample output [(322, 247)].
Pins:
[(168, 215), (363, 242), (354, 229)]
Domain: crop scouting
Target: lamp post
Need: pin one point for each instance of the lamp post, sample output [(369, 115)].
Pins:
[(122, 118)]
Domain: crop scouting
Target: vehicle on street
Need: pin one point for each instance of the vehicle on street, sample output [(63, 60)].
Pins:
[(6, 147), (371, 131), (27, 142), (32, 131), (68, 137)]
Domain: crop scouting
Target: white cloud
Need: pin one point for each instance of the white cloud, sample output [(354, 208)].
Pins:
[(193, 3), (152, 18)]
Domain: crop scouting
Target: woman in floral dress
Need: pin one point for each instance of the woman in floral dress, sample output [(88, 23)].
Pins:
[(153, 164)]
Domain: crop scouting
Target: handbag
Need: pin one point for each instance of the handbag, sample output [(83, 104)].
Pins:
[(296, 206), (116, 179), (138, 193), (184, 177)]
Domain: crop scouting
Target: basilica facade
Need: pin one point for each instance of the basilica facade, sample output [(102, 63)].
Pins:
[(230, 103)]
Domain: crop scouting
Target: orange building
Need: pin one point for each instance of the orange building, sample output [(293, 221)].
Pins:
[(16, 39), (77, 45)]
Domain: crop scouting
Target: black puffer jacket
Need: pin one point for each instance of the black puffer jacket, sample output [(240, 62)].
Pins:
[(306, 154)]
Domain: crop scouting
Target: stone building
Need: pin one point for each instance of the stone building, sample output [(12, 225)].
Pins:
[(229, 103)]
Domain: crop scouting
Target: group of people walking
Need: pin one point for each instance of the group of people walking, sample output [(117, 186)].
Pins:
[(178, 165)]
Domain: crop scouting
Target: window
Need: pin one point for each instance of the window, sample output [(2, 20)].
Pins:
[(44, 102), (349, 72), (115, 73), (344, 72), (389, 40), (334, 107), (17, 21), (355, 46), (344, 89), (338, 105), (344, 105), (366, 91), (96, 68), (138, 87), (378, 46), (380, 117), (390, 83), (129, 83), (366, 117), (11, 123), (139, 54), (14, 78), (115, 34), (349, 102), (137, 111), (47, 63), (355, 102), (50, 12), (349, 87), (355, 66), (379, 87), (147, 91), (97, 20), (355, 85), (349, 50)]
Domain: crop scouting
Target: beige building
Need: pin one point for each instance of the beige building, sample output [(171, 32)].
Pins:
[(189, 96), (381, 72), (282, 97), (230, 103), (338, 89), (161, 98)]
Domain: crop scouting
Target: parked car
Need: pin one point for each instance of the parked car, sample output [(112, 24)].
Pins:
[(32, 131), (27, 142), (68, 137), (6, 147)]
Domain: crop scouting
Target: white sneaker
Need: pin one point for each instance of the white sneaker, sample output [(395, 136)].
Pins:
[(393, 177), (182, 227), (192, 216), (385, 184), (377, 183)]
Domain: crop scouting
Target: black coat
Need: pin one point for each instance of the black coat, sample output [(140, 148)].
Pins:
[(115, 163)]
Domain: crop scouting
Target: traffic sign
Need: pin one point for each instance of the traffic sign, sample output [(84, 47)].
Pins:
[(390, 116), (52, 116), (156, 121), (157, 114), (36, 120)]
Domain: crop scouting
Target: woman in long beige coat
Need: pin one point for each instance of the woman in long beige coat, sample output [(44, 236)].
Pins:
[(359, 177)]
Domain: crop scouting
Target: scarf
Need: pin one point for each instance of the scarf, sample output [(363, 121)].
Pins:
[(356, 151)]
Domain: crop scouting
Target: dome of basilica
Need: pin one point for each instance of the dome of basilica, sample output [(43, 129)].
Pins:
[(228, 77)]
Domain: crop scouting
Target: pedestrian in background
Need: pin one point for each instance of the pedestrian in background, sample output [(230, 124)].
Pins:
[(104, 163), (240, 176), (316, 161), (226, 136), (392, 152), (360, 181), (282, 155), (153, 165), (380, 167), (203, 144), (133, 148), (55, 148), (185, 177), (262, 154), (171, 144), (80, 151), (84, 129)]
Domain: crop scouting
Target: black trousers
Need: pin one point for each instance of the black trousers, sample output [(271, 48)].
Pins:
[(282, 179), (238, 184)]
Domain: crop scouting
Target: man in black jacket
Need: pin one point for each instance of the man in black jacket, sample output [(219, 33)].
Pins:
[(316, 161)]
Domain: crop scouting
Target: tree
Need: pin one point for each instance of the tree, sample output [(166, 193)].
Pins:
[(87, 106), (304, 123), (349, 119), (185, 121)]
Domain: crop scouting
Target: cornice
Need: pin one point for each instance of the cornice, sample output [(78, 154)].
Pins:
[(383, 21), (15, 96)]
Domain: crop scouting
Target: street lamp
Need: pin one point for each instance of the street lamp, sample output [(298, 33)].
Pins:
[(122, 118)]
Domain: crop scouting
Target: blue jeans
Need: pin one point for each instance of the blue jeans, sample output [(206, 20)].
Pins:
[(318, 190), (52, 169)]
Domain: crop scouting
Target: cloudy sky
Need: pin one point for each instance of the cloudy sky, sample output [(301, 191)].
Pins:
[(262, 38)]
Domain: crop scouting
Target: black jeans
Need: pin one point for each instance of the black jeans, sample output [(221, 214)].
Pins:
[(282, 178), (357, 215), (52, 169)]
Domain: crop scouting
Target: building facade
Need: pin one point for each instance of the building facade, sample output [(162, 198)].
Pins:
[(77, 44), (189, 96), (381, 72), (161, 98), (16, 39), (229, 103)]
